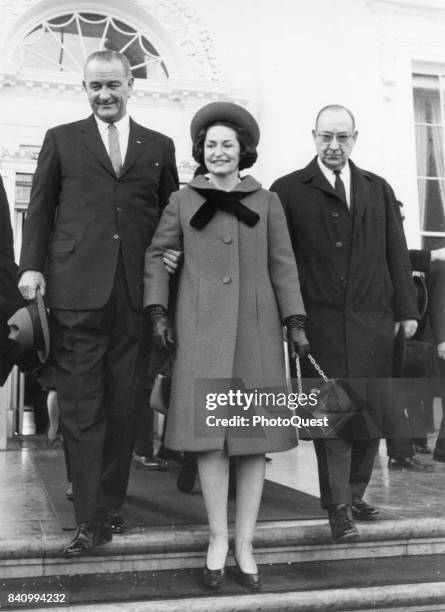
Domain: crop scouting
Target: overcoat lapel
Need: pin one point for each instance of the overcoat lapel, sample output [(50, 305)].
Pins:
[(361, 184), (135, 146), (312, 174), (94, 143)]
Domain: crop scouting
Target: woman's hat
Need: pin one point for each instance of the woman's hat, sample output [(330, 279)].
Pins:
[(29, 328), (225, 111)]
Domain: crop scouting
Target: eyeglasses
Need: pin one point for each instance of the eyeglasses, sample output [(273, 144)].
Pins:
[(342, 139)]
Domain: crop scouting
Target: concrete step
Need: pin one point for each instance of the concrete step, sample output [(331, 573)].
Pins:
[(379, 584), (174, 548)]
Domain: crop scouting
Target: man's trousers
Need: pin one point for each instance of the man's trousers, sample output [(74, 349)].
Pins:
[(99, 374)]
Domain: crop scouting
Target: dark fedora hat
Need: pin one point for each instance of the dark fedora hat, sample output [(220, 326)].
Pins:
[(29, 327), (225, 111)]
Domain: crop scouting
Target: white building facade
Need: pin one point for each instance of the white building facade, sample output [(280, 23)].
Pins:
[(282, 59)]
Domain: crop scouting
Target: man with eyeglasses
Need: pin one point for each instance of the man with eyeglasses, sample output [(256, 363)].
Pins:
[(355, 278)]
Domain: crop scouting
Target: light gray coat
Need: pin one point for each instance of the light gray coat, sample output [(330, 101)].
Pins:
[(237, 284)]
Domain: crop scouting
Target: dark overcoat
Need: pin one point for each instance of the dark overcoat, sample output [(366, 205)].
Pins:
[(236, 286), (354, 269)]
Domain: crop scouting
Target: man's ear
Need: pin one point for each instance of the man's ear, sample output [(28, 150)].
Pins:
[(130, 86), (84, 85)]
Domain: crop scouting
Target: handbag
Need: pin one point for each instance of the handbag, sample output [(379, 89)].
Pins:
[(332, 410), (160, 393)]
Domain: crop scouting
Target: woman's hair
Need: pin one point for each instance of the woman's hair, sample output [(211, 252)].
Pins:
[(248, 153)]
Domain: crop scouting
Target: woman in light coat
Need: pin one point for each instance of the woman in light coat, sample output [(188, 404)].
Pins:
[(237, 286)]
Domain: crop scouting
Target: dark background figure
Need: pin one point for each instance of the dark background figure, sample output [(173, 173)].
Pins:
[(355, 276), (98, 190), (410, 434), (10, 298)]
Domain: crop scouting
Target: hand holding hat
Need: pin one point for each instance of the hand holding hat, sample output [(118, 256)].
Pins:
[(30, 281), (29, 327)]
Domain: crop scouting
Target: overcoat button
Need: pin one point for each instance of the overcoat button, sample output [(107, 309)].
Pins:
[(227, 239), (116, 236), (335, 215), (226, 280), (339, 245)]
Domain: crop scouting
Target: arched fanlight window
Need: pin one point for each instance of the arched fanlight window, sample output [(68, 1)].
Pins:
[(63, 43)]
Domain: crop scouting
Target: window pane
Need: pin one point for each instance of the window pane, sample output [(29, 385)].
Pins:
[(427, 100), (432, 205), (429, 151)]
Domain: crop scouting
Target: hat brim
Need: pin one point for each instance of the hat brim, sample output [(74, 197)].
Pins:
[(225, 111)]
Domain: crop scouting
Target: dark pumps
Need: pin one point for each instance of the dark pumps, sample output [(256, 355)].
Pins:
[(214, 579), (249, 581)]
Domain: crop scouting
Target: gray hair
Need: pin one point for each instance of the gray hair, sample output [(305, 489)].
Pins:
[(109, 55)]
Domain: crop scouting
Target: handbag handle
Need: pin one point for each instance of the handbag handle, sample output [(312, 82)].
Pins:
[(316, 366)]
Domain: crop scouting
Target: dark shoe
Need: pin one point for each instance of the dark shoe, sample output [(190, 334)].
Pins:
[(410, 464), (186, 478), (214, 579), (361, 511), (87, 537), (439, 455), (249, 581), (116, 521), (423, 449), (69, 492), (342, 525)]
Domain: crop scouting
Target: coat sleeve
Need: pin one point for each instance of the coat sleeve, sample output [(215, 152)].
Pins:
[(436, 308), (282, 266), (44, 199), (398, 261), (168, 235), (420, 260), (169, 181)]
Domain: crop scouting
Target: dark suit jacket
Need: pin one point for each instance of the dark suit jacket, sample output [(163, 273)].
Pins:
[(81, 215), (355, 272)]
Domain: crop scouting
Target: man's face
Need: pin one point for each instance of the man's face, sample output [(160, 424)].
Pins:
[(334, 138), (108, 89)]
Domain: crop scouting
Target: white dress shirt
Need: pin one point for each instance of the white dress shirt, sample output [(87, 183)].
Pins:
[(345, 177), (123, 130)]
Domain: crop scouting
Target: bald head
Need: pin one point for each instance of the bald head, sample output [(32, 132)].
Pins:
[(334, 136)]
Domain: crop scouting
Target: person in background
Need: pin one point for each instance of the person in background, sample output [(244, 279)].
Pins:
[(237, 285)]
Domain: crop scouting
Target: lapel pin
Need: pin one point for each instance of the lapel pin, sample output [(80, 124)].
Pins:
[(138, 142), (157, 164)]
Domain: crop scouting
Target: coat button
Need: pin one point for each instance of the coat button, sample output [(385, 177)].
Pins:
[(339, 245), (335, 215), (226, 280), (227, 239), (119, 209), (116, 236)]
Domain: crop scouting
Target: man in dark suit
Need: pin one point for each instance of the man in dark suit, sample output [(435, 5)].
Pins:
[(97, 194), (355, 277)]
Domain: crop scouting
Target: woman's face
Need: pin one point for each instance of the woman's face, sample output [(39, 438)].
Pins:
[(221, 151)]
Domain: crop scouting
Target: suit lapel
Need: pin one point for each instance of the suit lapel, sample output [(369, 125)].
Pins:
[(94, 143), (135, 146)]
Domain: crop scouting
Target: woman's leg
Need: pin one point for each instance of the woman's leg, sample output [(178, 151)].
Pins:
[(53, 415), (250, 471), (214, 477)]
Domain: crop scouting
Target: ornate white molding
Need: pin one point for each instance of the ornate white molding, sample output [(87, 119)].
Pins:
[(185, 29), (415, 8)]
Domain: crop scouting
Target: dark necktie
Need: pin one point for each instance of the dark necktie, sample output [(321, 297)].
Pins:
[(340, 187), (114, 149)]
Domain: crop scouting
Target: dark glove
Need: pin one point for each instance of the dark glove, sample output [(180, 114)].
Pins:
[(296, 336), (163, 332)]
